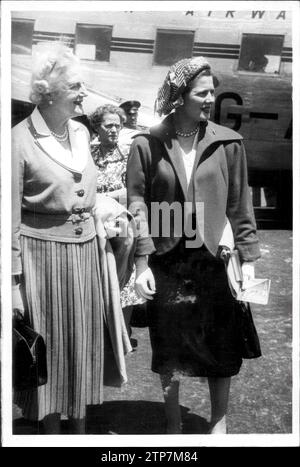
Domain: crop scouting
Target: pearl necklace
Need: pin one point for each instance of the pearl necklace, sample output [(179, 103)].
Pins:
[(61, 138), (188, 133)]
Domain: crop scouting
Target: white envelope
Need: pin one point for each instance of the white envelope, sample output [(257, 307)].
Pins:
[(254, 291)]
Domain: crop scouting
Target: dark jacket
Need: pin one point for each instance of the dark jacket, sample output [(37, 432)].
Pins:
[(219, 184)]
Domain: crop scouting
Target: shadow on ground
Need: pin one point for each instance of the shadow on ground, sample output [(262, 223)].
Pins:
[(261, 394), (124, 417)]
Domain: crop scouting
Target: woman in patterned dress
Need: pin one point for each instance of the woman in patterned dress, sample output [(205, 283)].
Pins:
[(111, 161)]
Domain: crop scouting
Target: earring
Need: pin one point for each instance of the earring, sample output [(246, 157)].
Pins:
[(178, 103), (50, 102)]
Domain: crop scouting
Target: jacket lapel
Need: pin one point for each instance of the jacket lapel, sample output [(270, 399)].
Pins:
[(165, 132), (177, 161), (210, 134), (207, 136)]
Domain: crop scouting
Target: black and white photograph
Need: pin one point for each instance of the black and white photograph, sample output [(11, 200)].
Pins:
[(150, 258)]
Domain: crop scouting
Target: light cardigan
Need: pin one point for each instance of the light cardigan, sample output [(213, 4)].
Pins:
[(45, 191)]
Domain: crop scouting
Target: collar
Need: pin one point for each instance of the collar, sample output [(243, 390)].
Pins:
[(39, 123), (165, 131), (41, 127), (79, 142), (209, 134)]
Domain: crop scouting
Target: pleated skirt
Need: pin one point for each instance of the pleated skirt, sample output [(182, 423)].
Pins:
[(193, 319), (65, 304)]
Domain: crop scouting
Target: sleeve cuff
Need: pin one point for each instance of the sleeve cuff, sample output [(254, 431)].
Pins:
[(145, 246), (248, 251)]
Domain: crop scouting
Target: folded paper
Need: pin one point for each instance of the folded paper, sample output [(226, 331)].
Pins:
[(253, 291)]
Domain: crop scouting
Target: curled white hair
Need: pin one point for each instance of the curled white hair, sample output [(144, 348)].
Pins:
[(52, 63)]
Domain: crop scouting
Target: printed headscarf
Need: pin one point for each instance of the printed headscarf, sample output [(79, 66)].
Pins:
[(177, 79)]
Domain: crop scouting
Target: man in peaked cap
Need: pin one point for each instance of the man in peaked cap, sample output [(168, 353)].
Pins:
[(131, 109), (130, 128)]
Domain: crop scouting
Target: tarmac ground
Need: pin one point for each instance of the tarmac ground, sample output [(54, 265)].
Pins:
[(261, 394)]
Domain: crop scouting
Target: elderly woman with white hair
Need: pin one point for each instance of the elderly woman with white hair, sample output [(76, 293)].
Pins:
[(56, 263)]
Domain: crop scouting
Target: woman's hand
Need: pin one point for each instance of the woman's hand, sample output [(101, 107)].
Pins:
[(119, 195), (248, 272), (144, 282), (117, 226)]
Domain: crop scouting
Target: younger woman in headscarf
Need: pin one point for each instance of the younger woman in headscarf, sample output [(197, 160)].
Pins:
[(196, 172)]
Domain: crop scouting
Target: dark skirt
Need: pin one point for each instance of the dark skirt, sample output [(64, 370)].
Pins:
[(193, 320)]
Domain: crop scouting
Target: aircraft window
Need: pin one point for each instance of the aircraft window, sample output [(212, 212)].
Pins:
[(21, 36), (173, 45), (93, 42), (261, 53), (273, 204), (264, 197)]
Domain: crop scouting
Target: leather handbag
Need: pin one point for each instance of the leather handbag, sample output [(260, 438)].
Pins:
[(29, 357), (248, 337)]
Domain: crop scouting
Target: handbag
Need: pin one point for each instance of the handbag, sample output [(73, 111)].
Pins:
[(29, 357), (248, 337)]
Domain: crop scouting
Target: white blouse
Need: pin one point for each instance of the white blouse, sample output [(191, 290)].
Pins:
[(188, 158)]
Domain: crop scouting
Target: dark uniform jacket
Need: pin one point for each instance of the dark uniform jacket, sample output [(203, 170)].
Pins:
[(219, 185)]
